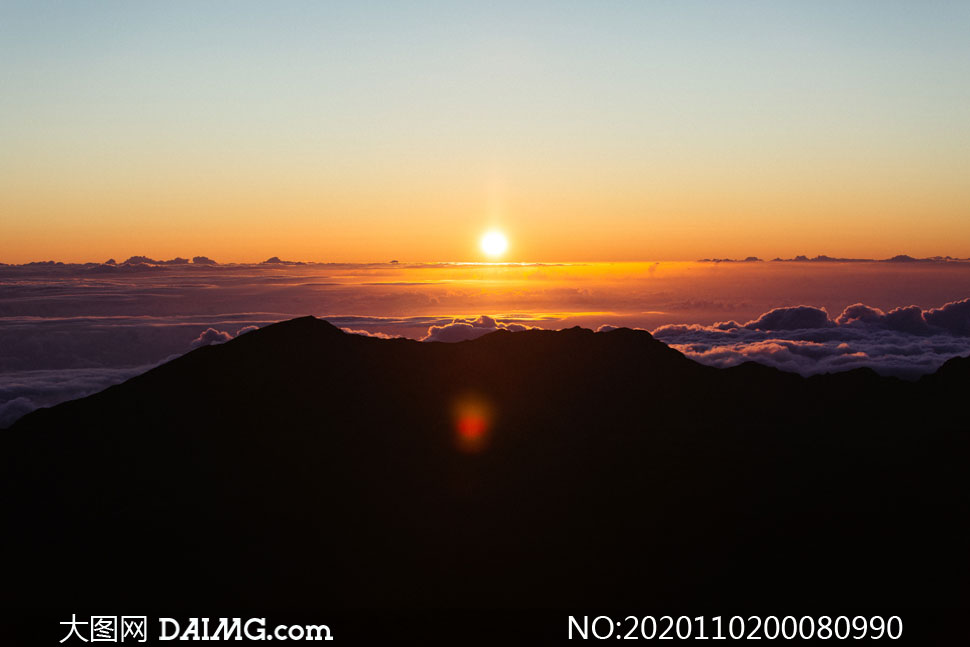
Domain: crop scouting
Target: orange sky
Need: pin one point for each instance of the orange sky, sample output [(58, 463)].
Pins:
[(599, 134), (251, 220)]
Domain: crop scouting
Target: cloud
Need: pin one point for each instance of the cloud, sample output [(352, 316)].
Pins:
[(791, 319), (23, 391), (466, 329), (211, 336), (368, 333), (860, 312), (214, 336), (954, 317), (906, 341), (909, 319), (15, 409)]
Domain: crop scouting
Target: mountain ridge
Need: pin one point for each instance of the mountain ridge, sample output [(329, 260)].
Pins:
[(302, 465)]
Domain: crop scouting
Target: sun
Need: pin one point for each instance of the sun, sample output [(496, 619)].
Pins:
[(494, 243)]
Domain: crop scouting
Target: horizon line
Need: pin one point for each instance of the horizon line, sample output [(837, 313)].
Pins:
[(275, 261)]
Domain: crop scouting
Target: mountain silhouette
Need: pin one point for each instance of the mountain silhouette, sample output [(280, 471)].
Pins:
[(299, 465)]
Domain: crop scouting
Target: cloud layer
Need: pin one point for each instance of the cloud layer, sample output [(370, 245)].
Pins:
[(23, 391), (82, 323), (466, 329), (906, 342)]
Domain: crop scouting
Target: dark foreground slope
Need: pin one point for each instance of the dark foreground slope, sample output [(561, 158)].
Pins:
[(300, 466)]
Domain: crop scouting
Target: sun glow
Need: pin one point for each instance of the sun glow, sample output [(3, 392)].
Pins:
[(494, 243)]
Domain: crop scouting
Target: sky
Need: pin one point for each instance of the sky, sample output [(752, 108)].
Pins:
[(370, 131)]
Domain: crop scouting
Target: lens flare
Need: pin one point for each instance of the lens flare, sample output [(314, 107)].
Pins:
[(472, 423)]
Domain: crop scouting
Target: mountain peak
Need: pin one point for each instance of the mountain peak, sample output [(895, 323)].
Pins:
[(299, 326)]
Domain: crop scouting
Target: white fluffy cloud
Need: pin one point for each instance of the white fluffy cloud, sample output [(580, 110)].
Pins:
[(211, 336), (906, 341), (368, 333), (214, 336), (466, 329)]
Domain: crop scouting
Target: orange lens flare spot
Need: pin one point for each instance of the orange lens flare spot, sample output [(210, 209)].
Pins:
[(471, 427), (473, 421)]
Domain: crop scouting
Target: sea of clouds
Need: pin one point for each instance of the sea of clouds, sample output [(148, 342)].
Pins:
[(906, 341), (69, 331)]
